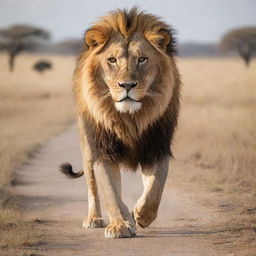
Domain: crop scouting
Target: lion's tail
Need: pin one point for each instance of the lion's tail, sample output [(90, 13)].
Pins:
[(67, 169)]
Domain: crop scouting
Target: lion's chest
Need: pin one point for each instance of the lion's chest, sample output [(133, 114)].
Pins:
[(153, 144)]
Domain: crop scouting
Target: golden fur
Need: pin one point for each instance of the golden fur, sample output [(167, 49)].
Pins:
[(126, 88), (91, 95)]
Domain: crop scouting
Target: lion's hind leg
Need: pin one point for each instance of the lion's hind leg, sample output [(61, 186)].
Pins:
[(94, 217), (145, 210)]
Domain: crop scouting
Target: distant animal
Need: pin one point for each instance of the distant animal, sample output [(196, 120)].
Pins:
[(42, 65), (127, 90)]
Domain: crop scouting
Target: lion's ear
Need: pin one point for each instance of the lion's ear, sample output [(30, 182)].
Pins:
[(160, 39), (165, 39), (94, 38)]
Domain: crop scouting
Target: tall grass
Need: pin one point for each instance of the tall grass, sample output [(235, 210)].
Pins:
[(217, 128)]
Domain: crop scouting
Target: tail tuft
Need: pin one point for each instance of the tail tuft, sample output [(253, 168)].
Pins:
[(66, 168)]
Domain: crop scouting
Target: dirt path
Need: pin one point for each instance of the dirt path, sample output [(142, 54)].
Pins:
[(183, 226)]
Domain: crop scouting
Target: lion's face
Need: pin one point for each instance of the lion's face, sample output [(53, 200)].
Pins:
[(126, 77), (129, 69)]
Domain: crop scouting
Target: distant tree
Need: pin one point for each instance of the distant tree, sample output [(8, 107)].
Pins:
[(18, 38), (242, 40), (69, 46)]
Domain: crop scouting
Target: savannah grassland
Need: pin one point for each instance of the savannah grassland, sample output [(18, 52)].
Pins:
[(33, 107), (216, 137)]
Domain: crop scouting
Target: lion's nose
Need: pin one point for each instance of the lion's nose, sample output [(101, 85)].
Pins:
[(127, 86)]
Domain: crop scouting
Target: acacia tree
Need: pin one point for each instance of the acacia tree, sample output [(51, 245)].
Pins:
[(242, 40), (70, 46), (18, 38)]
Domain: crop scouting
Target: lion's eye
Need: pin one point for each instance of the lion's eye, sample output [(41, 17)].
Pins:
[(142, 60), (112, 60)]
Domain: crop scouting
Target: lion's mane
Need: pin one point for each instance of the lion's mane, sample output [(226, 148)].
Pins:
[(131, 139)]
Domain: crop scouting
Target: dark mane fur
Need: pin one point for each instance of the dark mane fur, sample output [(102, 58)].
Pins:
[(153, 144)]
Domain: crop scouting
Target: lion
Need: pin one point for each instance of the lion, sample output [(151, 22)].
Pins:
[(126, 88)]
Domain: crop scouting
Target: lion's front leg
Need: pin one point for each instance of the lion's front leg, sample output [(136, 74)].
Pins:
[(145, 210), (121, 222)]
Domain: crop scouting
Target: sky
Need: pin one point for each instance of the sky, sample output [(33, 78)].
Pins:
[(203, 21)]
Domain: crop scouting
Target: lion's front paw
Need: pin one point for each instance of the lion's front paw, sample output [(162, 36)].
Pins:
[(120, 228), (93, 222), (143, 218)]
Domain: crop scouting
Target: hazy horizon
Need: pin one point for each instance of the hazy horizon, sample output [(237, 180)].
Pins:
[(202, 21)]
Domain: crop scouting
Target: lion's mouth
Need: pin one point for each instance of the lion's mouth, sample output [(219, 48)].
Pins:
[(127, 99)]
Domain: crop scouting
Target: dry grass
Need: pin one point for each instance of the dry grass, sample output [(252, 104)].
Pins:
[(33, 107), (217, 123), (216, 139), (15, 232)]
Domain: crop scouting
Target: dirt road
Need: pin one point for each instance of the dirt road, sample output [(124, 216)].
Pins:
[(183, 227)]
